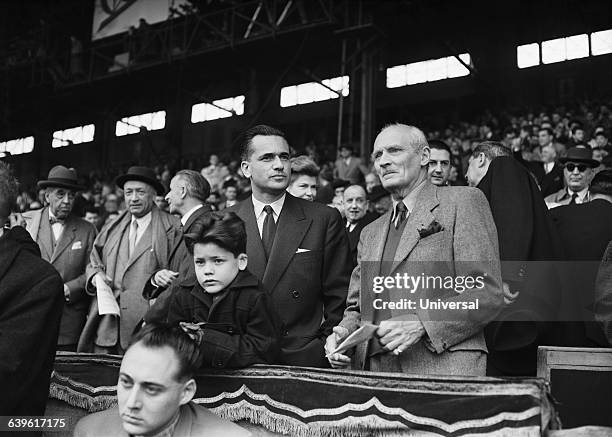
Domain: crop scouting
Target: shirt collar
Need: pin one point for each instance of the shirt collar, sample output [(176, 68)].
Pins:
[(190, 213), (582, 194), (409, 200), (53, 217), (143, 221), (277, 206)]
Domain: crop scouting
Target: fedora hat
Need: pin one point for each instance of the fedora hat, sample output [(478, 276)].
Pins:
[(143, 174), (61, 177), (580, 154)]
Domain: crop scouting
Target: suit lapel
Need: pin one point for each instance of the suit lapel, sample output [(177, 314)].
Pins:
[(143, 245), (45, 236), (372, 253), (421, 216), (68, 235), (255, 251), (290, 230)]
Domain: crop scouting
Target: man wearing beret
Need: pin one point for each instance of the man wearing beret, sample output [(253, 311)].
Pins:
[(126, 253), (66, 241)]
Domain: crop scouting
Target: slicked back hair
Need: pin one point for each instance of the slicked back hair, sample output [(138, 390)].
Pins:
[(247, 137), (196, 185), (8, 191), (440, 145), (491, 149), (602, 183), (158, 335)]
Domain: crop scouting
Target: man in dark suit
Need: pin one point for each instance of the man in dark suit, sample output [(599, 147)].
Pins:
[(66, 241), (551, 179), (585, 232), (187, 198), (31, 301), (348, 167), (154, 392), (297, 248), (357, 216)]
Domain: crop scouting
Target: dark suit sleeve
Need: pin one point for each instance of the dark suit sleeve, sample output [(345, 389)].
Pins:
[(336, 273), (77, 285), (603, 294), (28, 332)]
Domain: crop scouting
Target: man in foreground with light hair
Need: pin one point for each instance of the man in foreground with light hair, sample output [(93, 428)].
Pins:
[(154, 392), (429, 231)]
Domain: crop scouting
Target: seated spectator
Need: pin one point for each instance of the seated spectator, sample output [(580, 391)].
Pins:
[(380, 200), (154, 392), (349, 167), (371, 181), (304, 174), (231, 313), (92, 216), (357, 216), (578, 172)]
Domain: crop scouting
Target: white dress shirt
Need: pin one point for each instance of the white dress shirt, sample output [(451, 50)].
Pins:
[(583, 196), (548, 166), (143, 222), (260, 214), (57, 227), (189, 214)]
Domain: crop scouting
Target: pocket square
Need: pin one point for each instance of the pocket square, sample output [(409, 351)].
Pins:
[(433, 228), (77, 245), (300, 250)]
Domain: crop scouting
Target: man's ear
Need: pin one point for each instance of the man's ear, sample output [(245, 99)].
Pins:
[(425, 156), (482, 159), (242, 261), (246, 169), (189, 391)]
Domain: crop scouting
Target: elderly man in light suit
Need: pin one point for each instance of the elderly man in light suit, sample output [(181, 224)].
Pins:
[(126, 253), (66, 241), (445, 227)]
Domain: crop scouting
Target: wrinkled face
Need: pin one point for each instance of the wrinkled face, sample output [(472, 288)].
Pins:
[(575, 179), (215, 266), (397, 163), (304, 186), (355, 203), (139, 197), (176, 195), (439, 166), (268, 167), (371, 180), (544, 138), (60, 200), (148, 395), (91, 217), (231, 193)]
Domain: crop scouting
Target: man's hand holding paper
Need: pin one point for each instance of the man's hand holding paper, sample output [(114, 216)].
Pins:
[(107, 304)]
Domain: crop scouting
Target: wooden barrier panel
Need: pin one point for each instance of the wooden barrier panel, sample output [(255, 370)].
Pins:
[(581, 383)]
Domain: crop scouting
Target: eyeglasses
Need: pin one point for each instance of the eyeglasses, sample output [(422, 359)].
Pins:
[(571, 166)]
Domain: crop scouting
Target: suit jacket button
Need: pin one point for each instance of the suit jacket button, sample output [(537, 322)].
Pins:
[(230, 330), (285, 333), (295, 294)]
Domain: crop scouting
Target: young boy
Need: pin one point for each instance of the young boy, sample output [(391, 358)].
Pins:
[(237, 325)]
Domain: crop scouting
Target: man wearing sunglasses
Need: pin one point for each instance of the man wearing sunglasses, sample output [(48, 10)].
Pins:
[(578, 172)]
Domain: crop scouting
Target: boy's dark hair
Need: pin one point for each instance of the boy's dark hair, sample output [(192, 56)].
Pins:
[(247, 137), (225, 229), (158, 335), (440, 145)]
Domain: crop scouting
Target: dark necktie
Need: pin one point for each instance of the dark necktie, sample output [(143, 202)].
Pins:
[(400, 214), (268, 231), (573, 200)]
